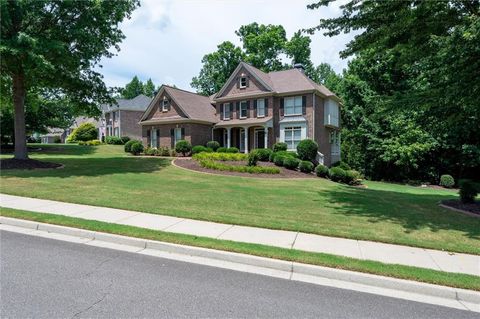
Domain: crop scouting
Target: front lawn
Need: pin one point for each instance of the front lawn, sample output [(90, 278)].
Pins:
[(105, 176)]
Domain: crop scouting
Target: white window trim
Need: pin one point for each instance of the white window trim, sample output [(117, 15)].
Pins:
[(177, 129), (164, 104), (263, 101), (303, 127), (285, 105), (153, 137), (246, 109), (224, 108), (240, 85), (242, 140)]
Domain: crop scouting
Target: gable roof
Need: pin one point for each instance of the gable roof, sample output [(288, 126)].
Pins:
[(261, 77), (138, 103), (194, 106)]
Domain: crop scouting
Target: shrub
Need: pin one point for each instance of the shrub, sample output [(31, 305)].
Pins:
[(221, 150), (125, 139), (136, 148), (263, 154), (307, 150), (82, 143), (337, 174), (447, 181), (198, 149), (290, 162), (238, 168), (85, 132), (342, 165), (352, 177), (164, 151), (183, 147), (232, 150), (277, 147), (278, 159), (173, 153), (115, 140), (253, 158), (306, 166), (94, 143), (57, 139), (468, 190), (214, 145), (147, 151), (321, 171), (221, 156), (128, 146)]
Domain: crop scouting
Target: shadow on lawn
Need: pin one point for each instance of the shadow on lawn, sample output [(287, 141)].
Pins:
[(411, 211), (96, 166)]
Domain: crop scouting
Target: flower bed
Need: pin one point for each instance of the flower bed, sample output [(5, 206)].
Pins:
[(211, 161)]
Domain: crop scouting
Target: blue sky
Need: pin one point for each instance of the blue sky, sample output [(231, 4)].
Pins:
[(166, 40)]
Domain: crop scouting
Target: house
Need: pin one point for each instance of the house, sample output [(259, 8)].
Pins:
[(121, 119), (59, 135), (253, 110)]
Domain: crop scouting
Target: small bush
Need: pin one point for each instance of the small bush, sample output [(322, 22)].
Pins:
[(221, 150), (183, 147), (136, 148), (306, 166), (232, 150), (321, 171), (337, 174), (82, 143), (164, 151), (173, 153), (263, 154), (342, 165), (57, 140), (128, 146), (115, 140), (125, 139), (253, 158), (277, 147), (447, 181), (278, 159), (94, 142), (85, 132), (468, 190), (352, 177), (214, 145), (198, 149), (147, 151), (291, 162), (307, 150)]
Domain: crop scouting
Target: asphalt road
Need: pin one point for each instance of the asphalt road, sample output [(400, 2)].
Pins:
[(44, 278)]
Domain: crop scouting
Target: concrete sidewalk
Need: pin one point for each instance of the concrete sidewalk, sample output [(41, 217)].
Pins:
[(387, 253)]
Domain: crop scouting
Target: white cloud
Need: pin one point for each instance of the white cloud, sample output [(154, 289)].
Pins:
[(166, 40)]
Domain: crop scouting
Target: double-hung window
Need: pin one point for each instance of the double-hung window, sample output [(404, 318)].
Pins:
[(178, 134), (261, 108), (226, 111), (164, 104), (153, 138), (243, 82), (293, 136), (243, 109), (293, 105)]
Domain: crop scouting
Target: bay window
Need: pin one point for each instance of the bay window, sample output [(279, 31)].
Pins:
[(293, 135)]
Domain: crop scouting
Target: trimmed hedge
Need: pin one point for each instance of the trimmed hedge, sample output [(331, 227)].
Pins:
[(214, 145), (342, 165), (468, 190), (306, 166), (136, 148), (232, 150), (447, 181), (221, 156), (277, 147), (115, 140), (199, 148), (337, 174), (183, 147), (321, 171), (278, 159), (282, 153), (128, 146), (291, 162), (125, 139), (307, 150), (263, 154), (237, 168)]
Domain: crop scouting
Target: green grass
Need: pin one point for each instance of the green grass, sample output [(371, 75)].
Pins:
[(106, 176), (372, 267)]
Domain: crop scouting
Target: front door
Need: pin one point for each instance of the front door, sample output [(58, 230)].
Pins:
[(260, 138)]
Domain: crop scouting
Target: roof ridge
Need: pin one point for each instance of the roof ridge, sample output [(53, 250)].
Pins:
[(183, 90)]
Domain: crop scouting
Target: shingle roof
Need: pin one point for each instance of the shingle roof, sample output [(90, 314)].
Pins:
[(138, 103), (195, 106)]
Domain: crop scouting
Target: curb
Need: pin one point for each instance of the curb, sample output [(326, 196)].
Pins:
[(294, 268)]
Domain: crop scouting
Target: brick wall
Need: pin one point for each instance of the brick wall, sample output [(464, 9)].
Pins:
[(129, 124), (253, 85), (196, 134), (158, 113)]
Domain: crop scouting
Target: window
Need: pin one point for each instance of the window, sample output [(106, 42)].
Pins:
[(178, 134), (293, 105), (116, 131), (243, 109), (331, 113), (243, 82), (261, 108), (114, 116), (164, 104), (226, 111), (242, 140), (335, 142), (153, 138), (293, 135)]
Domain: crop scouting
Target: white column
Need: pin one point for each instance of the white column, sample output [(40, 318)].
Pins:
[(246, 139), (229, 137), (266, 137)]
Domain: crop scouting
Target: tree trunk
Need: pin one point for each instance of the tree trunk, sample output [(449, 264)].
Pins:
[(19, 93)]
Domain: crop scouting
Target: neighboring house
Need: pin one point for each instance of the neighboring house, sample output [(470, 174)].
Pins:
[(122, 119), (53, 135), (62, 134), (253, 110)]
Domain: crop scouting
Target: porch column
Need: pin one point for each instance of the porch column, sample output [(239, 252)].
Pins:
[(229, 136), (266, 137), (246, 139)]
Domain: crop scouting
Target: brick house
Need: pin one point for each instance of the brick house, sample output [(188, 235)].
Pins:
[(253, 109), (122, 119)]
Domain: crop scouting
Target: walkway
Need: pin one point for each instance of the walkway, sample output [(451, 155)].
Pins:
[(387, 253)]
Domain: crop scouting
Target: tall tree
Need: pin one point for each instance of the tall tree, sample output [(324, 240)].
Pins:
[(132, 89), (298, 49), (56, 45), (149, 88)]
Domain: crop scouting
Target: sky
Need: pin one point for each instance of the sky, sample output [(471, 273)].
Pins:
[(166, 39)]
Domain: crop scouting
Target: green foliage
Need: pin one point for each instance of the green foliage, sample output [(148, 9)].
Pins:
[(115, 140), (290, 162), (222, 150), (278, 159), (281, 146), (306, 166), (447, 181), (94, 143), (221, 156), (57, 140), (149, 88), (321, 171), (214, 145), (253, 158), (200, 148), (264, 154), (132, 89), (342, 165), (136, 148), (307, 150), (183, 147), (468, 190), (232, 150), (337, 174), (85, 132), (352, 177), (125, 139), (237, 168), (128, 146)]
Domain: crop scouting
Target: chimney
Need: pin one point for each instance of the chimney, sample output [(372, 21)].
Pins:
[(300, 67)]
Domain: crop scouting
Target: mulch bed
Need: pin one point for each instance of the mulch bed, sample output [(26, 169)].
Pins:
[(473, 208), (12, 163), (284, 173)]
